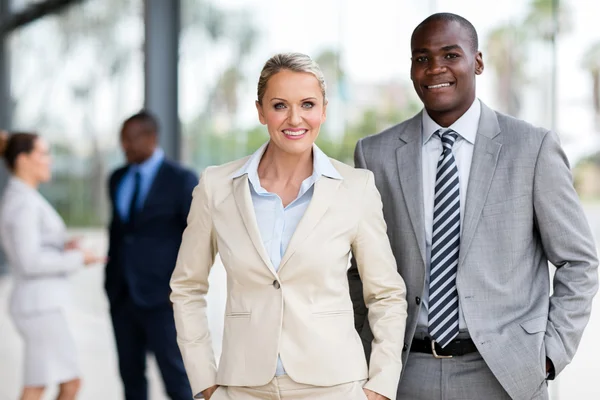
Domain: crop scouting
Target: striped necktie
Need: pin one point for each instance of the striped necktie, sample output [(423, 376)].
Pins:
[(443, 295)]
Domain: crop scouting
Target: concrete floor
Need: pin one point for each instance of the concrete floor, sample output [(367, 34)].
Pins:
[(93, 333)]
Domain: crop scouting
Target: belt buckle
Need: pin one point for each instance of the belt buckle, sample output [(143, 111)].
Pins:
[(435, 354)]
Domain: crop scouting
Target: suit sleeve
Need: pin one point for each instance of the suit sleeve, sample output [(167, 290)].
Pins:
[(34, 258), (190, 182), (189, 285), (569, 245), (384, 294), (355, 284)]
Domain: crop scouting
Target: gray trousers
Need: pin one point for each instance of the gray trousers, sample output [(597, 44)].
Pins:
[(459, 378)]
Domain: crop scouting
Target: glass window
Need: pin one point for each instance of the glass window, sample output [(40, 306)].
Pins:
[(74, 77)]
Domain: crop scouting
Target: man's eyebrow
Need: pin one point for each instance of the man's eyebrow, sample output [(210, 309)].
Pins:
[(445, 48), (420, 51), (451, 47)]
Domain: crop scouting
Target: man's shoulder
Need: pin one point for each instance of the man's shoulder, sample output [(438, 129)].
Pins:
[(118, 173), (516, 127), (177, 169), (391, 134)]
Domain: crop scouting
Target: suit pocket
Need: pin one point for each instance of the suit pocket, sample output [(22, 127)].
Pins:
[(506, 206), (535, 325)]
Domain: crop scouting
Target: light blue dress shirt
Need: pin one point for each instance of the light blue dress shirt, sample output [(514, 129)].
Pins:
[(148, 170), (276, 223)]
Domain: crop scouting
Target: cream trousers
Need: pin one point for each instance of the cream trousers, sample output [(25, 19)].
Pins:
[(284, 388)]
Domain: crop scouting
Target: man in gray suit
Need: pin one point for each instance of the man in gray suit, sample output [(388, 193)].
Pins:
[(477, 203)]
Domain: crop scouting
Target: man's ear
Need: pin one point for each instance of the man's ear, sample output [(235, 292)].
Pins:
[(479, 63)]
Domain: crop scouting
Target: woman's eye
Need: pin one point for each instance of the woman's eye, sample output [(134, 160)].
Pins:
[(279, 106), (308, 104)]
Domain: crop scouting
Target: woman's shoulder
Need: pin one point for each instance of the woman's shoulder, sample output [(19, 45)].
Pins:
[(223, 172), (353, 176), (16, 201)]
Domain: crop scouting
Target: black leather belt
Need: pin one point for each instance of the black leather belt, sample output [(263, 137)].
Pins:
[(456, 348)]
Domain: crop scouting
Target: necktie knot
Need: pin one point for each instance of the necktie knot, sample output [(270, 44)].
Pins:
[(447, 137)]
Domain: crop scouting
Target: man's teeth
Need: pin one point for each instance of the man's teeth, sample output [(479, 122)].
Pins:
[(441, 85), (295, 133)]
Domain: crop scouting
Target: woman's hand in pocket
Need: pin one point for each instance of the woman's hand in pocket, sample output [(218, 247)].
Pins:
[(207, 393), (371, 395)]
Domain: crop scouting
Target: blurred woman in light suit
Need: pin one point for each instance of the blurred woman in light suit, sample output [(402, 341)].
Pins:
[(34, 239), (284, 222)]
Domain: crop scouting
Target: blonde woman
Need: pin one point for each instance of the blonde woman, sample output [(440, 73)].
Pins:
[(284, 221), (41, 258)]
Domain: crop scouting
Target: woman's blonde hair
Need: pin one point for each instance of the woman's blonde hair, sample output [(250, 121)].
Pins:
[(296, 62)]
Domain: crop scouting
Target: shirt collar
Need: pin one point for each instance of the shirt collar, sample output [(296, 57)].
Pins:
[(466, 126), (322, 165), (151, 163)]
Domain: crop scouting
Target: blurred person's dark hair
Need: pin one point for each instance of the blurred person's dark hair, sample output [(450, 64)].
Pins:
[(449, 17), (15, 143), (147, 118)]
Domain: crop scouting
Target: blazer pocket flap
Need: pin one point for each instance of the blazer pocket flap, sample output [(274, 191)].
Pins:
[(238, 315), (535, 325), (333, 313)]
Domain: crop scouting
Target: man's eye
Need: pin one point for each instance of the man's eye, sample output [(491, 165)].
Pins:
[(451, 55), (421, 59)]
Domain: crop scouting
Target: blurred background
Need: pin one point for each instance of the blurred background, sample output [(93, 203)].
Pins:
[(73, 70)]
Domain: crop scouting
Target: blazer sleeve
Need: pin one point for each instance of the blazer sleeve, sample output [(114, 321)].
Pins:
[(32, 256), (190, 180), (384, 294), (354, 282), (189, 285), (569, 245)]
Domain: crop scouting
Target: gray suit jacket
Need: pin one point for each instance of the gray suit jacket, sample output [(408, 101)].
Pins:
[(521, 212), (33, 236)]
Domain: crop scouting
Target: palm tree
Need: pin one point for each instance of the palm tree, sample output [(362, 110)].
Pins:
[(507, 56), (591, 62), (541, 19), (546, 21)]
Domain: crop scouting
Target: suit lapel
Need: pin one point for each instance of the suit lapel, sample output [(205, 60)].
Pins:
[(243, 199), (323, 196), (114, 190), (483, 166), (409, 155)]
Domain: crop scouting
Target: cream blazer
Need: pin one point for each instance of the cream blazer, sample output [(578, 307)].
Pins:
[(303, 312)]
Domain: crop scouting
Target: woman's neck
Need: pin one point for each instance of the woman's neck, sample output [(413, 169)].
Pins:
[(277, 165), (28, 180)]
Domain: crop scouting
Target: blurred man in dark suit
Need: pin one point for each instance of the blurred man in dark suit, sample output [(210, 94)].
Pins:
[(151, 197)]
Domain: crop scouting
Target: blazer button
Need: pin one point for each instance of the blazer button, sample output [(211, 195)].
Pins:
[(276, 284), (405, 347), (418, 300)]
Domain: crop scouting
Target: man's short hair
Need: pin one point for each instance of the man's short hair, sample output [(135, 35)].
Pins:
[(449, 17), (146, 118)]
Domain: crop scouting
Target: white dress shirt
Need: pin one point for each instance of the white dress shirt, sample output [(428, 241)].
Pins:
[(466, 127), (276, 223)]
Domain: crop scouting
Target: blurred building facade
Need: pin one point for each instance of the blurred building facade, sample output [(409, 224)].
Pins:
[(74, 69)]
